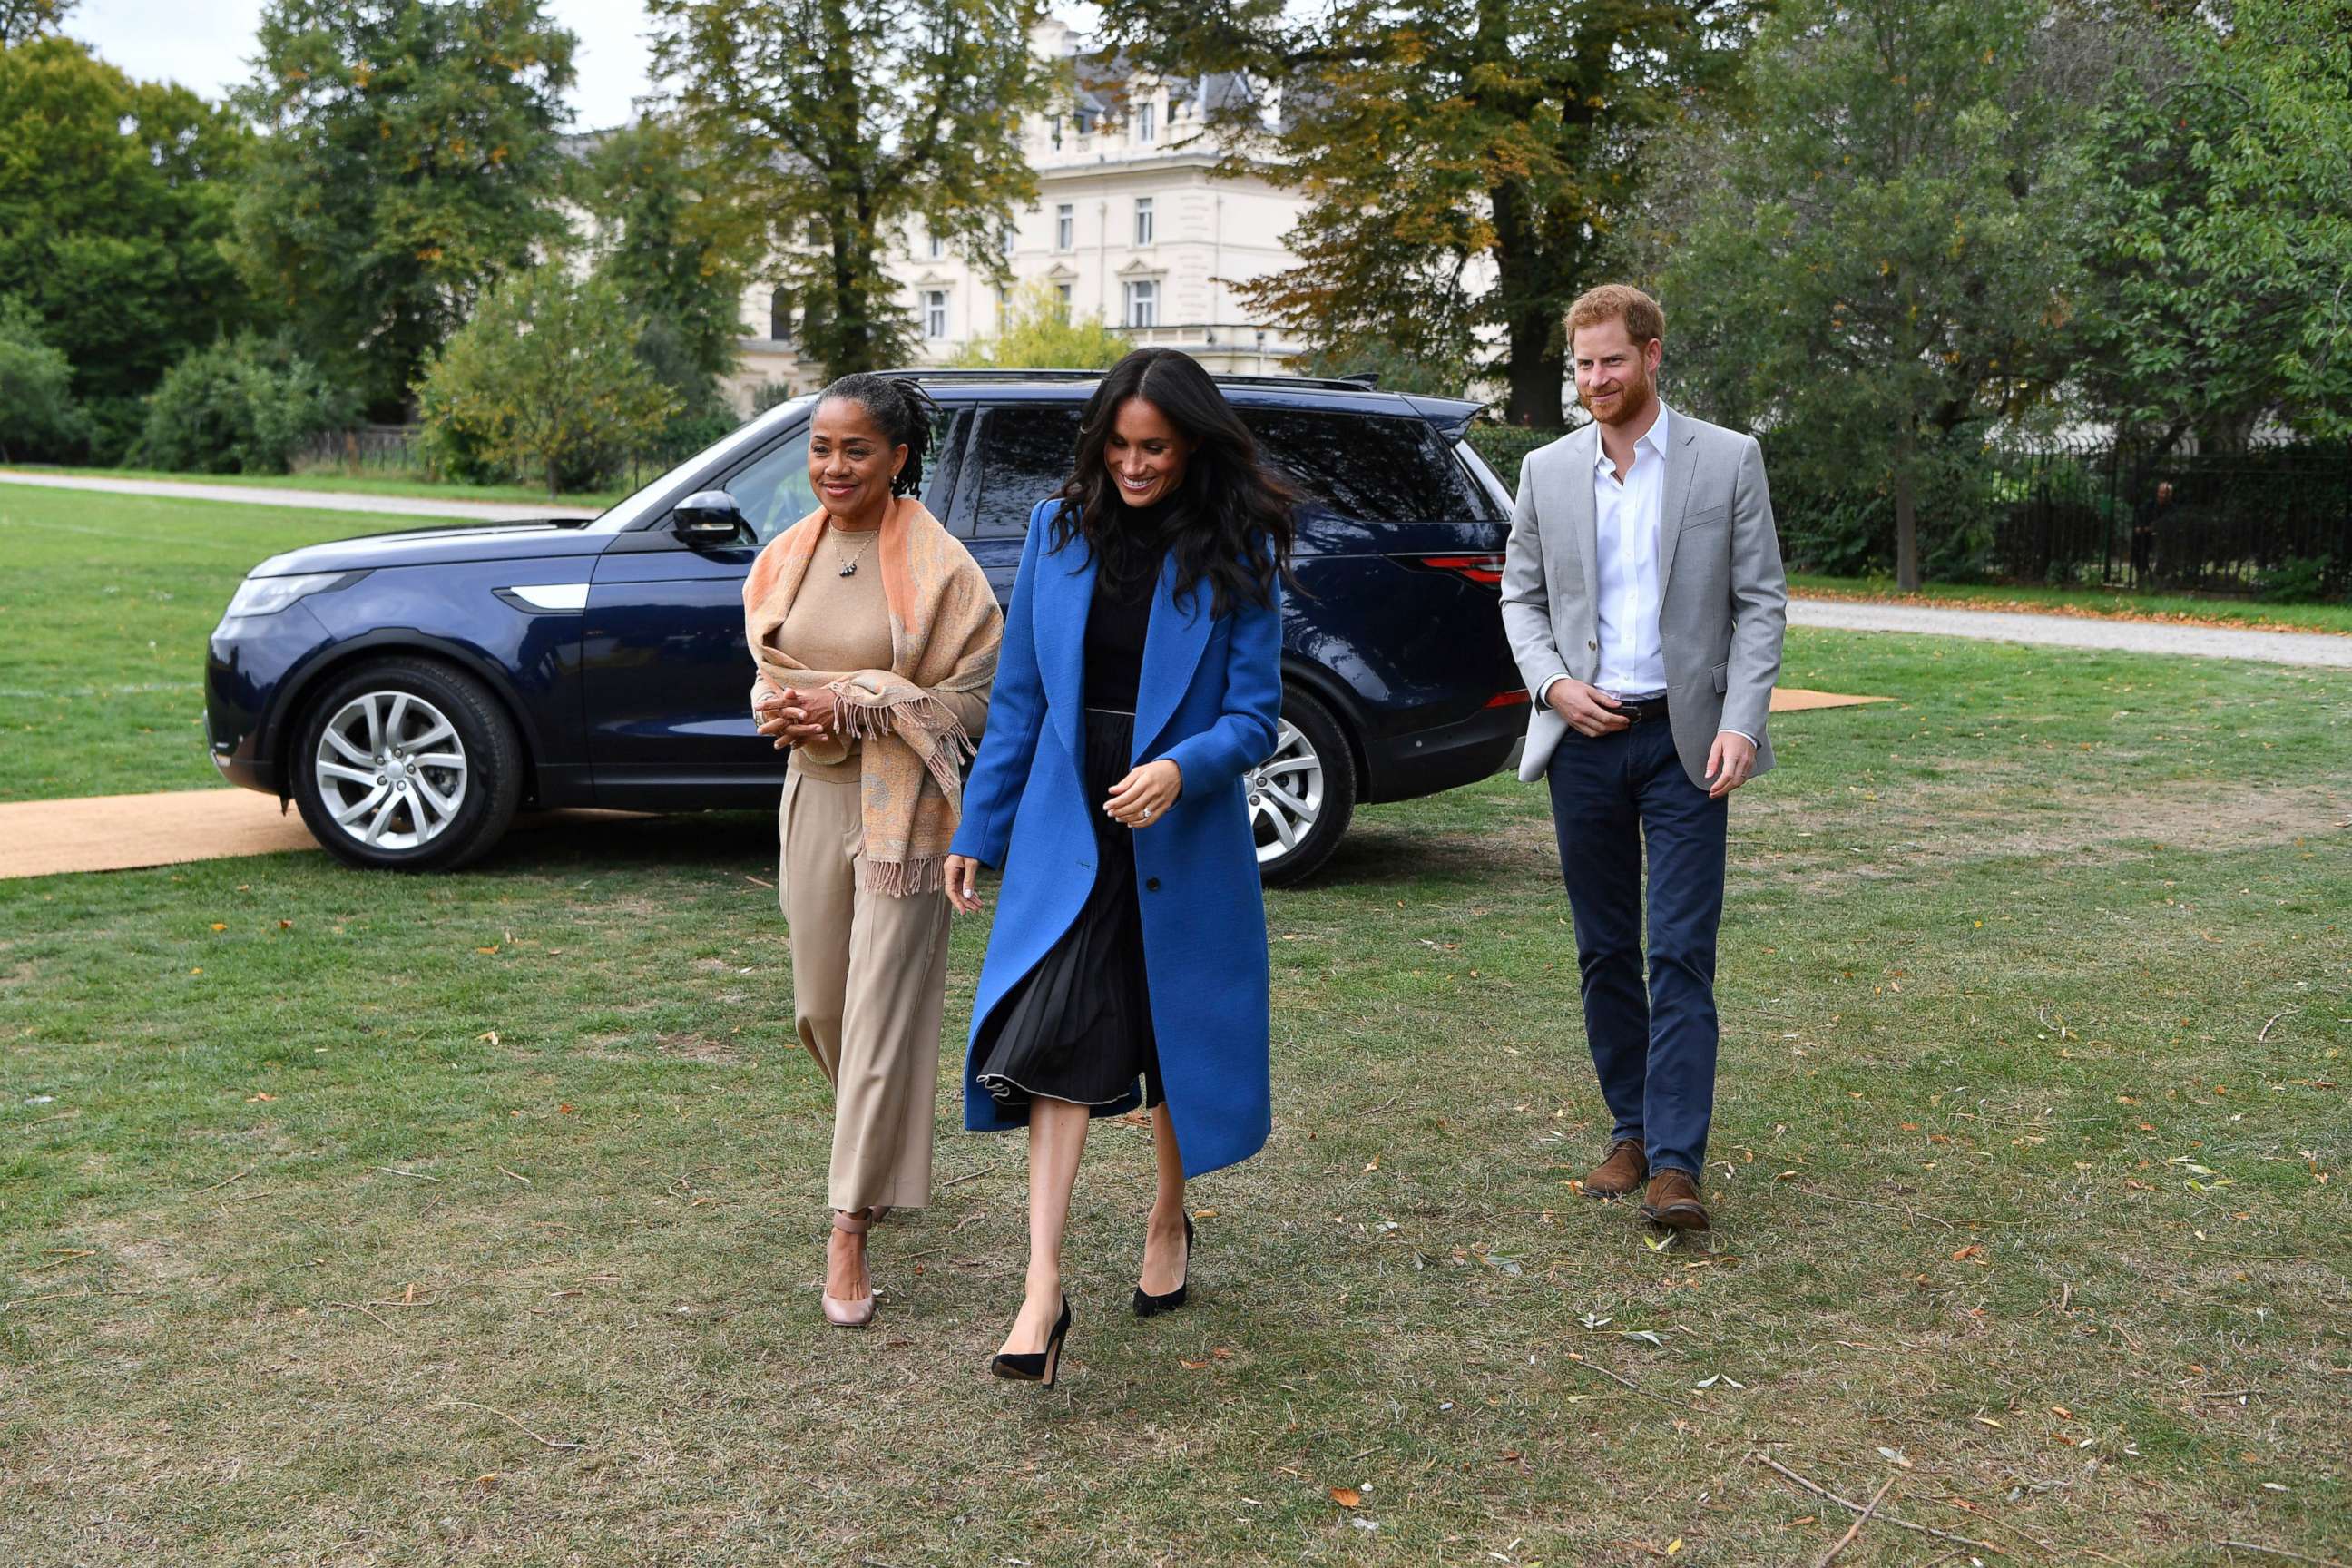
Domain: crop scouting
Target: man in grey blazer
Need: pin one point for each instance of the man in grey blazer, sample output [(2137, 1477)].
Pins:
[(1644, 601)]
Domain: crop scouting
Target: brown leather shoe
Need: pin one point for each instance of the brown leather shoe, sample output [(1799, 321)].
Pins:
[(1673, 1202), (1620, 1176)]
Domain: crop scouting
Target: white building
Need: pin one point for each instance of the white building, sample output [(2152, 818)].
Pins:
[(1130, 223)]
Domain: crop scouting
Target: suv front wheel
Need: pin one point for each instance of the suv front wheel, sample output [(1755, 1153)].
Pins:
[(406, 764), (1301, 797)]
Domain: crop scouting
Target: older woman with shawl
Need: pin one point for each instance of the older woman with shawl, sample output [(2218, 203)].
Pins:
[(876, 634)]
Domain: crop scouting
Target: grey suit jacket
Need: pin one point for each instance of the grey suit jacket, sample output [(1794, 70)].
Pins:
[(1724, 598)]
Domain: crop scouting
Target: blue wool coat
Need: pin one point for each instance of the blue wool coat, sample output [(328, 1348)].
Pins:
[(1209, 701)]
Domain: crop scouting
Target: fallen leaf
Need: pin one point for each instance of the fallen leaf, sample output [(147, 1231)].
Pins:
[(489, 1034), (260, 1096), (220, 925), (1190, 1365), (1894, 1457), (1971, 1250), (492, 948), (1673, 1546), (1347, 1497)]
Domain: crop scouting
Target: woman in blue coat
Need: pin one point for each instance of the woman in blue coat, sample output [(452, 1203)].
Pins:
[(1140, 678)]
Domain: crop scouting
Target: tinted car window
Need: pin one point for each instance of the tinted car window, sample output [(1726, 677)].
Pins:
[(772, 488), (1372, 467), (1024, 453)]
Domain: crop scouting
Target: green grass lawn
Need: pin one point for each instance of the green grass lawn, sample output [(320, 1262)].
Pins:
[(106, 602), (360, 484), (2114, 602), (353, 1218)]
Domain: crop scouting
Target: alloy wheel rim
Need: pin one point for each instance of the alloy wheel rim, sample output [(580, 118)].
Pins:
[(391, 770), (1286, 793)]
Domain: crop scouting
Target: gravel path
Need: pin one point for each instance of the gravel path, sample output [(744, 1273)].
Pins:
[(321, 501), (2075, 631)]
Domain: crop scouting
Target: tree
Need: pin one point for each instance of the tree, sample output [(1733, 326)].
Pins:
[(675, 235), (855, 120), (22, 20), (38, 413), (1037, 333), (1465, 159), (2223, 232), (114, 199), (1878, 264), (546, 380), (411, 161)]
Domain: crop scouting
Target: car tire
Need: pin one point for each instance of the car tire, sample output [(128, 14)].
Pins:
[(1302, 797), (406, 764)]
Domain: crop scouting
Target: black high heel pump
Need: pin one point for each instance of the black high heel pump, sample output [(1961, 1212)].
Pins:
[(1037, 1366), (1148, 1305)]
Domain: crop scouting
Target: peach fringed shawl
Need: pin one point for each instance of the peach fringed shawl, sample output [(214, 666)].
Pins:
[(945, 629)]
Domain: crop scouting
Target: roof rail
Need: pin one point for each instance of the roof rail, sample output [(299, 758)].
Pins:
[(1363, 383)]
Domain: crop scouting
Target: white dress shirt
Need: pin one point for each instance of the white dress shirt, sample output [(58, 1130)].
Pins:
[(1628, 534), (1625, 510)]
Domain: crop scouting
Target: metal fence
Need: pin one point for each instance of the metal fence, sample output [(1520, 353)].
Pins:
[(2212, 521), (367, 446)]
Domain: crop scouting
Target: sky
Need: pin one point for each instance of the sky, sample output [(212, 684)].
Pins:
[(205, 45)]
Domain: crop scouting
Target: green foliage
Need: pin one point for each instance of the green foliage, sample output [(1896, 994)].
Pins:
[(852, 122), (1398, 370), (1876, 266), (1037, 333), (1466, 160), (411, 162), (2224, 229), (2306, 580), (38, 417), (238, 407), (24, 20), (114, 203), (545, 382), (1506, 446), (676, 238)]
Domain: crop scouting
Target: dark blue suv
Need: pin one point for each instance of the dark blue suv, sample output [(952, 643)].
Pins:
[(408, 691)]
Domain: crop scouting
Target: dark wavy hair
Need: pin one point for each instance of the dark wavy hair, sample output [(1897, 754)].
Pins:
[(1228, 522), (901, 407)]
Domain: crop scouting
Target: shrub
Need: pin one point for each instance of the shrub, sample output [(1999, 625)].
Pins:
[(545, 382), (1504, 447), (2304, 579), (243, 405), (38, 416)]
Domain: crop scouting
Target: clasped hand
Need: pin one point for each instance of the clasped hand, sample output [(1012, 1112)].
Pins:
[(795, 716), (1138, 800)]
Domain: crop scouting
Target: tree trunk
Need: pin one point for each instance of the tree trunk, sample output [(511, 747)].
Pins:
[(1534, 363), (1906, 511), (551, 479)]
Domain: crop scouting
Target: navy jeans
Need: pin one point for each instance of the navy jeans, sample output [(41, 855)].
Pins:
[(1653, 1049)]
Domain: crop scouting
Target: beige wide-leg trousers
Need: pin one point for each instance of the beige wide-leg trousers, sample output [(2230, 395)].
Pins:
[(869, 978)]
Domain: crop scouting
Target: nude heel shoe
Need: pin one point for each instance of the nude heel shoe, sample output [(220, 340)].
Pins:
[(854, 1314)]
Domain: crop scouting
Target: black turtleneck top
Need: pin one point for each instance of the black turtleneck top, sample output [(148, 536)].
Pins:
[(1126, 573)]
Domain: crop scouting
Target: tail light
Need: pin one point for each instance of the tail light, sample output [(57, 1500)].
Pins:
[(1484, 570), (1509, 698)]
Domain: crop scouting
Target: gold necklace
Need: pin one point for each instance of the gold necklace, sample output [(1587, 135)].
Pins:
[(849, 569)]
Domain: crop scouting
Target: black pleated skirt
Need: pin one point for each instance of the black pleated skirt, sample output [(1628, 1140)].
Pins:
[(1079, 1026)]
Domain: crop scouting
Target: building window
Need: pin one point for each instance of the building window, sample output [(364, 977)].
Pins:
[(1147, 122), (1143, 220), (1054, 124), (1063, 289), (938, 247), (1003, 302), (1086, 123), (1143, 304), (1066, 226), (780, 316), (934, 312)]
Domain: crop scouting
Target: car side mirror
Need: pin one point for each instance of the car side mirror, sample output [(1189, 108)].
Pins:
[(710, 518)]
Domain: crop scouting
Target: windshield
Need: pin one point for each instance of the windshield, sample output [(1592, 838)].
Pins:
[(626, 514)]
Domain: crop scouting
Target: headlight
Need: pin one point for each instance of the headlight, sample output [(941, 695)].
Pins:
[(268, 595)]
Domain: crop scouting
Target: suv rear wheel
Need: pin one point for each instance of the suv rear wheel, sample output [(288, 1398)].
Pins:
[(406, 764), (1301, 797)]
